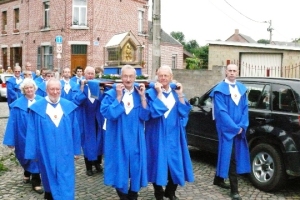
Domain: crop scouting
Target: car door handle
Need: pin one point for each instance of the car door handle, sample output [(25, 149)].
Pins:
[(264, 120)]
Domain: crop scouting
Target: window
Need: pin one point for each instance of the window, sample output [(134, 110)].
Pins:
[(46, 13), (174, 61), (254, 93), (79, 49), (16, 19), (140, 22), (45, 57), (283, 99), (79, 12), (4, 20)]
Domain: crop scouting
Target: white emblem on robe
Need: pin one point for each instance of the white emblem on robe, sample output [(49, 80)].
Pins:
[(67, 87), (30, 102), (54, 113), (235, 94), (169, 102), (128, 102), (90, 97)]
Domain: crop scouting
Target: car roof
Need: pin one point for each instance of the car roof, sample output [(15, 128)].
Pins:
[(271, 80), (5, 75)]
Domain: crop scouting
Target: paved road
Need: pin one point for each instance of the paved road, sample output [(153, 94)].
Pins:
[(92, 188)]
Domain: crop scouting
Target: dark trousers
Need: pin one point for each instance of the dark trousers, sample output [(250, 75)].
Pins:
[(35, 178), (48, 196), (232, 171), (130, 196), (169, 191), (89, 164)]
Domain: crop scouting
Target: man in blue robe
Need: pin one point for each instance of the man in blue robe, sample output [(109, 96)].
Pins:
[(68, 87), (169, 162), (78, 77), (91, 123), (230, 110), (13, 86), (42, 86), (125, 109), (15, 133), (28, 68), (54, 142)]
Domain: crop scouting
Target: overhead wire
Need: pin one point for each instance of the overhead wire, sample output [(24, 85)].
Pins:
[(244, 15)]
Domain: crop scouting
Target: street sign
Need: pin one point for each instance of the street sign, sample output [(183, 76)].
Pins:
[(58, 48), (58, 39)]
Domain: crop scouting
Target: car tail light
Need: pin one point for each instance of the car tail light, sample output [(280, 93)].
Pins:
[(3, 85)]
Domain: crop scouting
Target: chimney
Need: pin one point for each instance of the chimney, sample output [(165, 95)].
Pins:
[(236, 31)]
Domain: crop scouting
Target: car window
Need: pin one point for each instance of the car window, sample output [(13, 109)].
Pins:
[(206, 100), (254, 93), (6, 78), (284, 99)]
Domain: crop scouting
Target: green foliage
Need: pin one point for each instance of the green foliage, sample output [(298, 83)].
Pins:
[(178, 36), (263, 41), (200, 59)]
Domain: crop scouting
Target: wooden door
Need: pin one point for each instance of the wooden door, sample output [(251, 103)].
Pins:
[(78, 60)]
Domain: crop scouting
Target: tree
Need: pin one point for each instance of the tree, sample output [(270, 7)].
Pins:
[(200, 59), (178, 36), (263, 41)]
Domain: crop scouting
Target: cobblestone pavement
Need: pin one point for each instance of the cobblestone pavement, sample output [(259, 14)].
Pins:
[(92, 188)]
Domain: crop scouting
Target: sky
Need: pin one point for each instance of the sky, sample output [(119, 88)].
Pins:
[(206, 20)]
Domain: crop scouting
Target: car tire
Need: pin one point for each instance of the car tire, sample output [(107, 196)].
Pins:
[(267, 168)]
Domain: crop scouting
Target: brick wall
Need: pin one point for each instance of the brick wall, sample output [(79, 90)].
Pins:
[(197, 82)]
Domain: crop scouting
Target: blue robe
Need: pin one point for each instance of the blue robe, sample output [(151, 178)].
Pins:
[(42, 89), (39, 79), (166, 142), (33, 75), (76, 79), (15, 133), (124, 146), (13, 90), (90, 123), (72, 91), (54, 148), (229, 119)]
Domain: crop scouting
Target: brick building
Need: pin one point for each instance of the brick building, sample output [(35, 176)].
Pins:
[(29, 28)]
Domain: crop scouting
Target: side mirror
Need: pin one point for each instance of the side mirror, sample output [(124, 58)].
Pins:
[(195, 101)]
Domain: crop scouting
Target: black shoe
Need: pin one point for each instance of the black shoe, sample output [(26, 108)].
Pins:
[(173, 197), (89, 172), (99, 168), (38, 189), (235, 196), (222, 184)]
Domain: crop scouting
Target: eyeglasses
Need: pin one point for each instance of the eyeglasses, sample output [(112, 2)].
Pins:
[(18, 71)]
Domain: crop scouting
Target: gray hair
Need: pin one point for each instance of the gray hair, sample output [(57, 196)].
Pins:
[(127, 67), (165, 67), (26, 82)]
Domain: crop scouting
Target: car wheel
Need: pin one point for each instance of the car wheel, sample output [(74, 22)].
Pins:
[(267, 168)]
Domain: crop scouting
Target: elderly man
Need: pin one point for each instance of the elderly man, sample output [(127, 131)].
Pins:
[(53, 142), (169, 162), (28, 69), (15, 133), (91, 123), (125, 109), (13, 86)]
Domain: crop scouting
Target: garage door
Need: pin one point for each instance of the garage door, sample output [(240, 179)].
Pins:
[(261, 65)]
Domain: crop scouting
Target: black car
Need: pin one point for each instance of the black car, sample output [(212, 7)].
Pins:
[(273, 133)]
